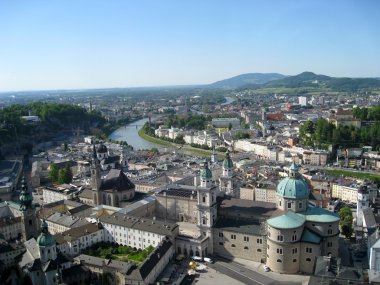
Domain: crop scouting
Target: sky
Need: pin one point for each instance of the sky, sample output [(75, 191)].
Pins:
[(76, 44)]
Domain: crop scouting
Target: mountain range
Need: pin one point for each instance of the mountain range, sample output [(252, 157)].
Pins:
[(304, 79)]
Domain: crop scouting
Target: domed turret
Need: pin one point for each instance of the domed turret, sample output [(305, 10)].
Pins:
[(205, 171), (102, 148), (227, 162), (45, 239), (293, 191), (25, 197)]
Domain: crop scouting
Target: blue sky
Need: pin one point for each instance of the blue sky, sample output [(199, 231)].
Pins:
[(69, 44)]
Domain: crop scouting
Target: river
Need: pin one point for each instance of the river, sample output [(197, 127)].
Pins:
[(129, 133)]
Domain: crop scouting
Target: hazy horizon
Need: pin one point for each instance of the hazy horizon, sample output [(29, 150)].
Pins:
[(92, 44)]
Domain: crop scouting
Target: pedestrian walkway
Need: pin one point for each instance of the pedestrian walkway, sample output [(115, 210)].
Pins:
[(259, 267)]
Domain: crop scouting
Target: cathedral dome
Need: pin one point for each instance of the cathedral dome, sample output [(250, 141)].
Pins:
[(227, 163), (102, 148), (205, 171), (294, 186), (45, 238)]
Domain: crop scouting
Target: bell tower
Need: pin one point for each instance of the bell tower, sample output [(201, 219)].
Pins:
[(95, 178), (29, 218)]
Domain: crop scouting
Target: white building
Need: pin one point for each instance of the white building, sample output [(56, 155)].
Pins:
[(302, 101), (136, 232), (60, 192)]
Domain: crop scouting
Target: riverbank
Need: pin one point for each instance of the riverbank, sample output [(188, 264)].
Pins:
[(202, 152)]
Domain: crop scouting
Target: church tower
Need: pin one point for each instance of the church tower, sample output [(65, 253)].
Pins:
[(95, 178), (363, 203), (206, 205), (29, 219), (226, 181), (124, 160)]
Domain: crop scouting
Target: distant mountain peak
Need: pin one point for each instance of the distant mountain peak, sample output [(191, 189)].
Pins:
[(246, 79)]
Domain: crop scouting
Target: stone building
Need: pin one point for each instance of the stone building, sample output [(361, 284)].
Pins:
[(114, 189)]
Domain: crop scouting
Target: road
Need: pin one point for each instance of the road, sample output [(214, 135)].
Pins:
[(245, 275)]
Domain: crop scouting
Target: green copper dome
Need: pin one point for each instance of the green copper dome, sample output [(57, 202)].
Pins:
[(205, 171), (45, 238), (295, 186), (227, 162)]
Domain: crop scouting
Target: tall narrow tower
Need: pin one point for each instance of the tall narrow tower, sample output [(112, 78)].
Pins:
[(95, 178), (206, 205), (363, 203), (226, 184), (29, 218)]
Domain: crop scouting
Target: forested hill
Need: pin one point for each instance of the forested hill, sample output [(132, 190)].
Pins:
[(54, 117), (304, 79), (245, 80)]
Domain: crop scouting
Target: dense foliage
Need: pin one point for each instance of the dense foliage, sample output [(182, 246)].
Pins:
[(60, 175), (346, 220), (322, 133), (241, 135), (197, 122), (53, 117), (370, 114)]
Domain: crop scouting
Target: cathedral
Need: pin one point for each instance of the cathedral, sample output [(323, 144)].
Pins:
[(114, 189)]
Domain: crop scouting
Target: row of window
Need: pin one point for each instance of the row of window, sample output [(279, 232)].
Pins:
[(300, 205), (245, 238), (246, 247), (294, 260)]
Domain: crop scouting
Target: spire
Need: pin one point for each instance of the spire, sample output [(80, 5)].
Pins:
[(205, 171), (293, 170), (227, 163), (25, 197)]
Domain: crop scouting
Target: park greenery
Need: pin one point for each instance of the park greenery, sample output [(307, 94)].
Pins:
[(191, 121), (361, 175), (345, 222), (54, 117), (60, 175), (323, 133), (119, 252)]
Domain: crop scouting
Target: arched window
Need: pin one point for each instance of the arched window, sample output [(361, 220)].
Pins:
[(204, 199), (109, 200), (232, 245), (329, 231), (246, 247), (258, 250), (279, 260)]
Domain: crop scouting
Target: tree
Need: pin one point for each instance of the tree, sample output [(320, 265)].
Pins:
[(53, 172), (347, 230), (65, 175), (229, 126), (346, 221)]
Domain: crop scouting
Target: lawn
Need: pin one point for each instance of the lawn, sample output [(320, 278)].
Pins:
[(122, 253), (360, 175)]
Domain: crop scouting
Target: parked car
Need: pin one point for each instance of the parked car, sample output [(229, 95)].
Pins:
[(266, 268), (197, 258), (208, 260)]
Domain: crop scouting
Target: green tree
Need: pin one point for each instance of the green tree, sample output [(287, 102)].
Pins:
[(53, 172), (65, 175), (347, 230)]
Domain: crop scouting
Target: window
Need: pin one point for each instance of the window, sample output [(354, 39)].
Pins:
[(232, 245), (279, 260), (309, 250), (280, 203), (258, 250), (204, 221), (279, 250), (260, 240), (220, 234), (294, 250), (329, 231), (246, 239), (204, 199), (329, 244), (308, 259), (30, 222), (294, 260), (294, 237), (280, 238), (233, 236), (246, 247), (289, 205), (300, 205), (220, 243)]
